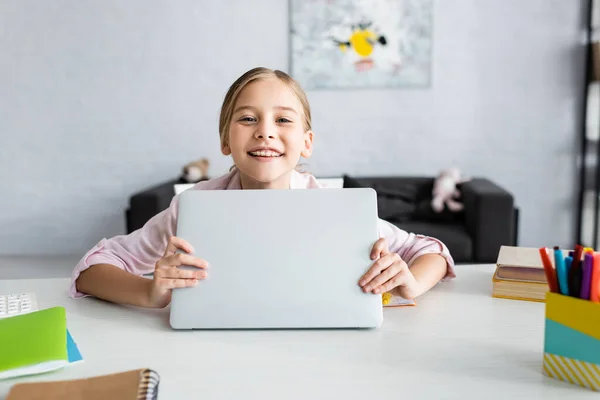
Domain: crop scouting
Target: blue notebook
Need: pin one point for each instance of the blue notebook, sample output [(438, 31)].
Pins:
[(73, 351)]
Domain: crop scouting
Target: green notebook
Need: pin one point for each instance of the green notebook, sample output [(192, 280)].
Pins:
[(33, 343)]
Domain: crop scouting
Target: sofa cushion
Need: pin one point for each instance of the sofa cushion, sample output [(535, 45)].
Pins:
[(393, 203), (424, 212), (404, 199), (454, 236)]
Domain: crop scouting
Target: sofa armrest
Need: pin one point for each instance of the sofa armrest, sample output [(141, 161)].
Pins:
[(147, 203), (489, 217)]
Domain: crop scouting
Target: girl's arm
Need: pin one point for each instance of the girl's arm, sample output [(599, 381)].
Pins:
[(112, 270), (428, 270), (406, 264), (412, 247), (118, 285), (114, 284)]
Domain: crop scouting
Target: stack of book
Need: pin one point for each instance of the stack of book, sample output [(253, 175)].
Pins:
[(520, 274)]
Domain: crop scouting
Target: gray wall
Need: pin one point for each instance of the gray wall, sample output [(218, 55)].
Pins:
[(99, 99)]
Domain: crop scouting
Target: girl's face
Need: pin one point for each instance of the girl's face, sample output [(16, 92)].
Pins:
[(266, 135)]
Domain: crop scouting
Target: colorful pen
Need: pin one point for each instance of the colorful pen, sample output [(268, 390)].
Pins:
[(595, 285), (578, 251), (561, 271), (575, 272), (549, 269), (586, 276)]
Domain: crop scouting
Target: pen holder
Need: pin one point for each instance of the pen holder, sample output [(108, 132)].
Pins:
[(572, 340)]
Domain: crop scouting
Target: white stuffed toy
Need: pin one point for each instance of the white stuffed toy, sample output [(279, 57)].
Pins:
[(445, 191), (195, 171)]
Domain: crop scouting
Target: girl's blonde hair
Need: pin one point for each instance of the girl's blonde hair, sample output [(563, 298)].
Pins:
[(250, 76)]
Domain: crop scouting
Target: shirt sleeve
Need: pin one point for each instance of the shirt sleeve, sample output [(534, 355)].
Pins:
[(410, 246), (136, 252)]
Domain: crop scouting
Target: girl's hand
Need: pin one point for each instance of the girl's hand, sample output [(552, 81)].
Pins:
[(389, 274), (167, 276)]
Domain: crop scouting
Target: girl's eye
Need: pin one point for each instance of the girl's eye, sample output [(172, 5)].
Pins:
[(283, 120), (247, 119)]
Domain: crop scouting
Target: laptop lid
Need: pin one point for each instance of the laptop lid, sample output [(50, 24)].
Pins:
[(278, 259)]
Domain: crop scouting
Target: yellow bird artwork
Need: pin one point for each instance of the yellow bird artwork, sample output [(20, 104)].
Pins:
[(362, 40)]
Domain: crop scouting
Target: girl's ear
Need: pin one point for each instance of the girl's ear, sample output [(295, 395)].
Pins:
[(225, 150), (308, 144)]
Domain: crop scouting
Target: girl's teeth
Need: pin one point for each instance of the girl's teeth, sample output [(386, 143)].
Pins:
[(267, 153)]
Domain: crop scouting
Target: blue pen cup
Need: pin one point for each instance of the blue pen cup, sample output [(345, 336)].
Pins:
[(572, 340)]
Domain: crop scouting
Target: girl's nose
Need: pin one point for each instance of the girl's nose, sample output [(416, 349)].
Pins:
[(265, 130)]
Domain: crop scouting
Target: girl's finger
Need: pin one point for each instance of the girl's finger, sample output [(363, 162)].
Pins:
[(175, 243), (174, 272), (175, 260), (389, 285), (380, 248), (377, 267), (384, 276), (178, 283)]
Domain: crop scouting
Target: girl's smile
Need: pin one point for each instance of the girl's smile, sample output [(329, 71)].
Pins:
[(265, 154)]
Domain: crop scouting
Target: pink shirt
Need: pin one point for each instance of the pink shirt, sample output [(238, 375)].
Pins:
[(139, 251)]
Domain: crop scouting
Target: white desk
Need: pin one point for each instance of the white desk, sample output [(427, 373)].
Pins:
[(458, 343)]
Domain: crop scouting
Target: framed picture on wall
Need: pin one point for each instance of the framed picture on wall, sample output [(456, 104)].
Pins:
[(353, 44)]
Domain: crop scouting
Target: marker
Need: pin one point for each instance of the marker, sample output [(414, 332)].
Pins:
[(575, 272), (549, 270), (595, 284), (561, 271), (586, 273)]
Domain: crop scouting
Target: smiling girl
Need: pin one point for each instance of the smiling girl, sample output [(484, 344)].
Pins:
[(265, 126)]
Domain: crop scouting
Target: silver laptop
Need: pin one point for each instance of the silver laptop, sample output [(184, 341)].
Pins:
[(278, 259)]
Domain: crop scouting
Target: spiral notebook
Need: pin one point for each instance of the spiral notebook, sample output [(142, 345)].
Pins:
[(138, 384)]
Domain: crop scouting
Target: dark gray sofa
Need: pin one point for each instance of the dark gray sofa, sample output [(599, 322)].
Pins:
[(488, 221)]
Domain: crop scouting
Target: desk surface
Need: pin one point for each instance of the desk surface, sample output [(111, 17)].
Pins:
[(459, 342)]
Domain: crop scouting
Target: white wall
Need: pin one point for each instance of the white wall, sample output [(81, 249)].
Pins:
[(102, 98)]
